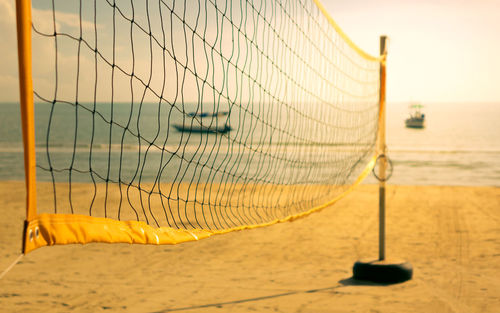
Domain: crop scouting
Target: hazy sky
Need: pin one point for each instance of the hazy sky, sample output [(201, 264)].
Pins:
[(440, 50)]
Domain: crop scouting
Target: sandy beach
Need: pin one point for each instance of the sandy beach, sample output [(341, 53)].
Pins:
[(451, 235)]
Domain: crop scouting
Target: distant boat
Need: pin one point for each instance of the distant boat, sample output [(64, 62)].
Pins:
[(417, 118), (205, 126), (202, 129)]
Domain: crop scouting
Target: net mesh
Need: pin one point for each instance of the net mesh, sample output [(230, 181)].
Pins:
[(197, 114)]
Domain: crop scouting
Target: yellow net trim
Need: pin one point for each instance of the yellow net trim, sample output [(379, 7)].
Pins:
[(348, 40)]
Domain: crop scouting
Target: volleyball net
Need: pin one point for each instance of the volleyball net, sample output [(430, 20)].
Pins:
[(166, 121)]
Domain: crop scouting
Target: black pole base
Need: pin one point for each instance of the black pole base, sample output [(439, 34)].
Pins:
[(385, 272)]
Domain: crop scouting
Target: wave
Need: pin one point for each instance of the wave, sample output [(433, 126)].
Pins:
[(466, 165), (278, 147), (444, 151)]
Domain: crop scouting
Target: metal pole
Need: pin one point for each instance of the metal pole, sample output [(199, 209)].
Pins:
[(381, 146), (23, 19)]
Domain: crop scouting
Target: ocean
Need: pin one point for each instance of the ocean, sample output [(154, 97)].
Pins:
[(460, 145)]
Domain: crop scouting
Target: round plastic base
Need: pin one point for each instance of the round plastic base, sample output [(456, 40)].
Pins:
[(386, 272)]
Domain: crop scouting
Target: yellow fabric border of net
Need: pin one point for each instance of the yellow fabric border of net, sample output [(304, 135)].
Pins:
[(344, 36)]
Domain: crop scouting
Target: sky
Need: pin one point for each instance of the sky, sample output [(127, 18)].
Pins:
[(439, 50)]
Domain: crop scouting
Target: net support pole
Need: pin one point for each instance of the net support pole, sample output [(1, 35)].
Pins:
[(382, 149), (23, 20), (382, 270)]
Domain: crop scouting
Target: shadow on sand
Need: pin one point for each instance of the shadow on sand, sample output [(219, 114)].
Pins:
[(355, 282), (341, 283)]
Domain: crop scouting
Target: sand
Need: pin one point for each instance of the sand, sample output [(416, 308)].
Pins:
[(451, 235)]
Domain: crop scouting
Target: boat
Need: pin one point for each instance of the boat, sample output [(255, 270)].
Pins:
[(204, 123), (417, 118), (202, 129)]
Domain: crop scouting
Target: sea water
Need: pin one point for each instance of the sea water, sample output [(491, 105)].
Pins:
[(460, 144)]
